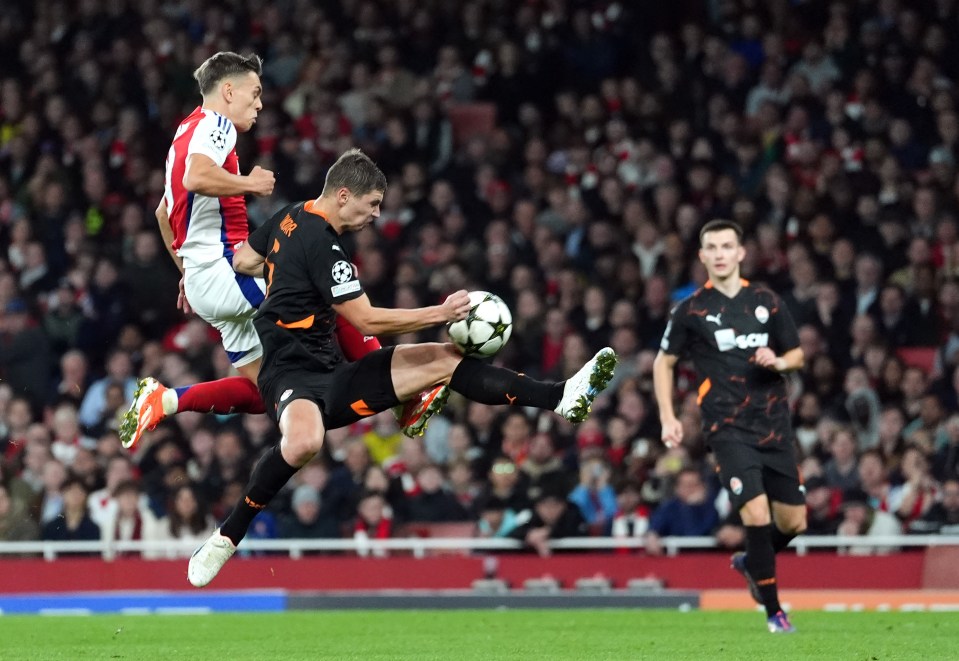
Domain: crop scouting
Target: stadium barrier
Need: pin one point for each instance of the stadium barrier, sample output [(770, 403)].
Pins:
[(421, 547)]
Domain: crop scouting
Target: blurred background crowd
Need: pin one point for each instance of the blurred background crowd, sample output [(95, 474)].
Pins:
[(560, 153)]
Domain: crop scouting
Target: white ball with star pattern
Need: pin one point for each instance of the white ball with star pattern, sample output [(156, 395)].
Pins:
[(485, 329)]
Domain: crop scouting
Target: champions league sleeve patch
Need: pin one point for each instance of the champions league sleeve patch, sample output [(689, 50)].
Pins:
[(342, 271), (217, 139), (343, 274), (345, 288)]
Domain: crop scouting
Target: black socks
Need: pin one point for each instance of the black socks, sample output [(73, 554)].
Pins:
[(780, 539), (486, 384), (269, 475), (761, 565)]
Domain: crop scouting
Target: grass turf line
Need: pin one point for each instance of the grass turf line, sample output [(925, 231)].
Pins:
[(528, 635)]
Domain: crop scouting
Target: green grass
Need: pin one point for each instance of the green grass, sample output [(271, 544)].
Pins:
[(593, 635)]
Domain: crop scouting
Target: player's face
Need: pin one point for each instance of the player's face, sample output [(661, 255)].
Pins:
[(721, 254), (245, 100), (359, 211)]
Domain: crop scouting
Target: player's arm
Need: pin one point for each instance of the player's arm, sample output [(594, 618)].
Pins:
[(791, 360), (664, 368), (786, 335), (370, 320), (250, 256), (204, 176), (166, 231), (248, 261)]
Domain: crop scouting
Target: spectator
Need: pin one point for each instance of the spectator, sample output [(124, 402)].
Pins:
[(373, 521), (917, 493), (24, 353), (862, 407), (433, 503), (16, 524), (497, 520), (595, 496), (943, 516), (130, 519), (119, 370), (945, 463), (822, 507), (552, 517), (151, 285), (632, 515), (187, 521), (15, 423), (62, 323), (542, 468), (506, 484), (74, 372), (462, 486), (68, 438), (75, 523), (690, 513), (927, 428), (874, 478), (53, 478), (102, 502), (860, 519), (308, 520), (841, 471)]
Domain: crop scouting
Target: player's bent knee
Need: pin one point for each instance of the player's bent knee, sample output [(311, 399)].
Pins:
[(756, 513), (301, 445)]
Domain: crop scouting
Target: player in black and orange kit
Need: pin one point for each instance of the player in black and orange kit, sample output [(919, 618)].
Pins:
[(306, 384), (741, 339)]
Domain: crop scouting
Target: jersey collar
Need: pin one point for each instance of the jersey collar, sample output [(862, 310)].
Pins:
[(308, 207), (743, 281)]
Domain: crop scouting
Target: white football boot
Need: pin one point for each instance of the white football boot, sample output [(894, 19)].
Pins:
[(206, 561), (583, 387)]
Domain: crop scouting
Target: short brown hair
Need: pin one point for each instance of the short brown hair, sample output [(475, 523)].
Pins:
[(355, 171), (721, 224), (225, 64)]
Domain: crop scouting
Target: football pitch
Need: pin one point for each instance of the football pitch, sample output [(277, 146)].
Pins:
[(467, 635)]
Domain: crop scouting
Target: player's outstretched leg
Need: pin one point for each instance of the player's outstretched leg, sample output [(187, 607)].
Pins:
[(583, 387), (414, 415), (488, 384), (206, 561), (152, 402)]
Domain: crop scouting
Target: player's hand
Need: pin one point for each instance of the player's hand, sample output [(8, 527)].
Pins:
[(672, 433), (457, 305), (181, 302), (261, 181), (765, 357)]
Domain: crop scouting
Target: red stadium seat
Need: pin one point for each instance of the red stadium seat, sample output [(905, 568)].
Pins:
[(469, 119), (921, 357)]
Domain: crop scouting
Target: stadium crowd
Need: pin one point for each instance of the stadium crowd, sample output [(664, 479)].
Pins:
[(560, 153)]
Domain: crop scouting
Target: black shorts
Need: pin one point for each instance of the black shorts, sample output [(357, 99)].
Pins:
[(748, 469), (350, 392)]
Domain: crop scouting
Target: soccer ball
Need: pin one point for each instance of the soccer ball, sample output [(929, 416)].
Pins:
[(485, 329)]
